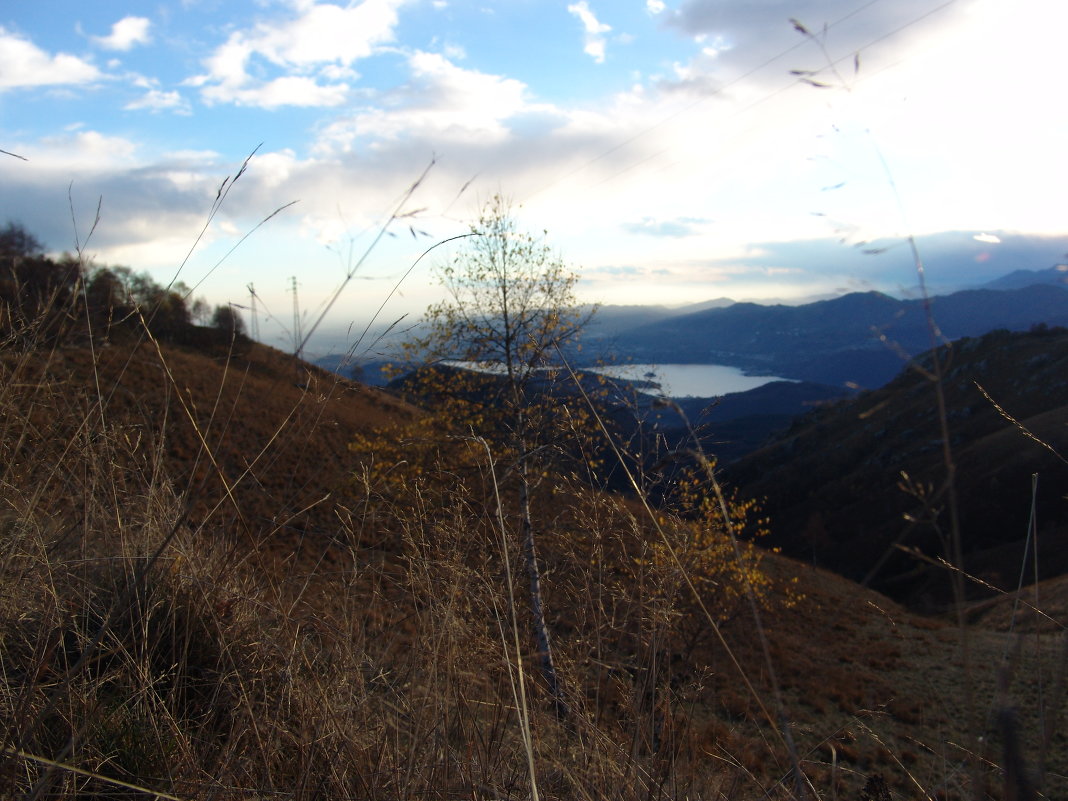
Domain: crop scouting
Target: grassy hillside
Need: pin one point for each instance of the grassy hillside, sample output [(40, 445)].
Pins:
[(253, 420), (836, 482), (204, 594)]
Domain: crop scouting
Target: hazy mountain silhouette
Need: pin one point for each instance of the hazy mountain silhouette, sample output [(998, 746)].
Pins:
[(860, 339), (1052, 276)]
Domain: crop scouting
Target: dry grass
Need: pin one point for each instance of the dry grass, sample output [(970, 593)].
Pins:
[(197, 601)]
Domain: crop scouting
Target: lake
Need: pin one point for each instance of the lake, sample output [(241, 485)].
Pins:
[(689, 380), (676, 380)]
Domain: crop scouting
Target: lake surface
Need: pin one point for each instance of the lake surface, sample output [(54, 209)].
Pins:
[(675, 380), (689, 380)]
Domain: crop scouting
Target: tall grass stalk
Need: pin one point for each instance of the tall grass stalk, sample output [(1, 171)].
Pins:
[(518, 683)]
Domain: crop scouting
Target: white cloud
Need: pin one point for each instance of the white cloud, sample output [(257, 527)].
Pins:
[(337, 72), (442, 101), (82, 149), (274, 169), (676, 228), (314, 50), (158, 100), (151, 208), (454, 52), (125, 33), (595, 30), (326, 32), (226, 66), (199, 158), (23, 64), (290, 90), (654, 6)]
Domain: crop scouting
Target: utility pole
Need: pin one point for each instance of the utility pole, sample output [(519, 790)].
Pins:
[(298, 336), (255, 317)]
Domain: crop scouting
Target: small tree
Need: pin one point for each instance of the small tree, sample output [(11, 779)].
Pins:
[(200, 311), (17, 242), (510, 306), (226, 319), (39, 296)]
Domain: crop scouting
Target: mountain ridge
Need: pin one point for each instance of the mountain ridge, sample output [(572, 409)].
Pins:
[(844, 481), (859, 339)]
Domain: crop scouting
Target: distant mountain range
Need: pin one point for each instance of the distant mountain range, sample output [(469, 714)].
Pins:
[(861, 340), (832, 348), (1055, 276)]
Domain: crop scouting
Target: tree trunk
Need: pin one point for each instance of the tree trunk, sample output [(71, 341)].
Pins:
[(537, 609)]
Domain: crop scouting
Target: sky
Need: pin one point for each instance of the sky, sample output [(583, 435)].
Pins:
[(670, 151)]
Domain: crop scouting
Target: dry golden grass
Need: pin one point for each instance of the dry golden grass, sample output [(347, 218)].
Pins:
[(197, 600)]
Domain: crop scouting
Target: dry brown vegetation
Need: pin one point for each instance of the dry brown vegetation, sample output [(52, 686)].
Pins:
[(200, 597)]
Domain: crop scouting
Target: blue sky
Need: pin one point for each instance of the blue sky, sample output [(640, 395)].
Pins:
[(666, 147)]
